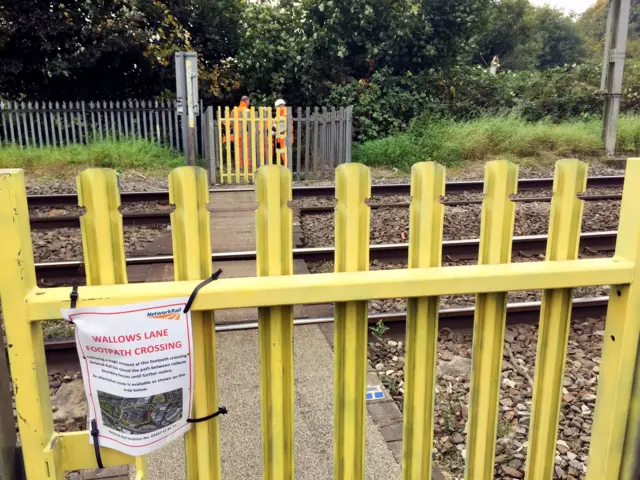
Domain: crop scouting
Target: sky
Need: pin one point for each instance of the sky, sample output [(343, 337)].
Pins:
[(577, 6)]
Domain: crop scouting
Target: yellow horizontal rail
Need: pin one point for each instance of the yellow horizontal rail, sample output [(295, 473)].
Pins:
[(45, 304), (73, 450)]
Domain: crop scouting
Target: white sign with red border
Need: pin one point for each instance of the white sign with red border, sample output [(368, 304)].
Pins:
[(137, 366)]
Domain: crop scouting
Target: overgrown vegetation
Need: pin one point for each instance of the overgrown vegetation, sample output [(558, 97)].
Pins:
[(122, 155), (393, 60), (451, 143), (386, 104), (379, 329)]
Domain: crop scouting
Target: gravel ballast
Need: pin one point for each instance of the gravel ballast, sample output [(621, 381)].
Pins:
[(452, 396), (391, 225), (66, 243)]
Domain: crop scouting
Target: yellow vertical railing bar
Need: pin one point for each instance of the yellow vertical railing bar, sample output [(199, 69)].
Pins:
[(101, 226), (617, 416), (267, 112), (246, 160), (496, 230), (227, 127), (222, 143), (261, 139), (264, 136), (425, 251), (254, 132), (54, 462), (142, 467), (353, 187), (191, 240), (237, 144), (630, 467), (274, 257), (103, 239), (565, 222), (25, 340)]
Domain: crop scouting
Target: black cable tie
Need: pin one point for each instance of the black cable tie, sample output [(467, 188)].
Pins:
[(200, 285), (96, 443), (74, 296), (221, 411)]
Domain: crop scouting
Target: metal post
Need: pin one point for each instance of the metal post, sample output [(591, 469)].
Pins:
[(612, 69), (187, 96), (25, 341)]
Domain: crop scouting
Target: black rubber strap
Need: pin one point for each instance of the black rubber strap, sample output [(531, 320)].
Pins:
[(96, 442), (197, 289), (221, 411), (74, 296)]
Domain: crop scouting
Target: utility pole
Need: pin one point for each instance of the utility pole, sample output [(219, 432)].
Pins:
[(615, 45), (187, 101)]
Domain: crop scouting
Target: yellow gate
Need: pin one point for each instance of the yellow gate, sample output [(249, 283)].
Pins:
[(615, 432), (249, 139)]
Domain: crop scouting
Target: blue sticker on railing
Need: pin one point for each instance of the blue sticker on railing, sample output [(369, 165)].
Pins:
[(374, 392)]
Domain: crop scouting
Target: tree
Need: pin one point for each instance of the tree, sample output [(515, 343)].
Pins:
[(275, 56), (110, 49), (52, 48), (437, 33), (558, 36), (593, 25), (353, 38), (526, 36), (503, 32)]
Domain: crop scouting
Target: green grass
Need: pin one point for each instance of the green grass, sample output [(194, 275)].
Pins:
[(454, 143), (120, 155)]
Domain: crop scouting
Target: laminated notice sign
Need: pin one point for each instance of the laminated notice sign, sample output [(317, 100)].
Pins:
[(137, 366)]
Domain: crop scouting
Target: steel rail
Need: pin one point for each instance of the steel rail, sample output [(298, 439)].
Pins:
[(477, 201), (71, 271), (72, 221), (164, 218), (326, 190), (452, 317), (458, 317)]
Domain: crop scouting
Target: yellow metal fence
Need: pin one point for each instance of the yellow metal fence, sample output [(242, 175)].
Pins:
[(615, 431)]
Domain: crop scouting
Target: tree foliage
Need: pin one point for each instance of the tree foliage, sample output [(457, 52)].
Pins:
[(107, 48), (593, 24), (297, 49), (394, 60), (528, 37)]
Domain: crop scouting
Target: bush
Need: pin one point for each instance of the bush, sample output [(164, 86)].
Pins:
[(386, 104)]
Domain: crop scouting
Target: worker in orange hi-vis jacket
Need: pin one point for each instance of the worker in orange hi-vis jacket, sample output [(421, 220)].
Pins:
[(236, 137), (281, 130), (242, 108)]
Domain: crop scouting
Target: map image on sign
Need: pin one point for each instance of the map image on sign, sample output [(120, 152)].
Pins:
[(142, 414)]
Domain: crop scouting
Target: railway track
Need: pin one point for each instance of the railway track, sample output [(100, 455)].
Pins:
[(63, 352), (328, 190), (72, 221), (309, 210), (72, 271), (163, 218)]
